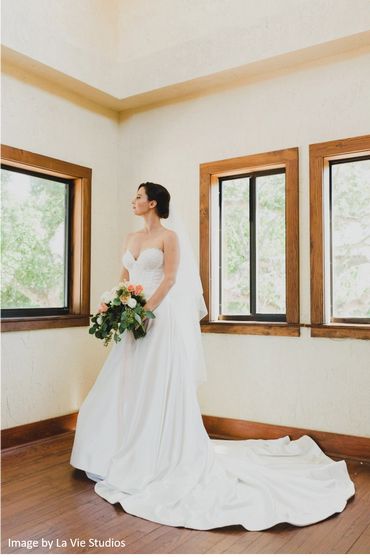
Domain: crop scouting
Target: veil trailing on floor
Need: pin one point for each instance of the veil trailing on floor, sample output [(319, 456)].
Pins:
[(187, 295)]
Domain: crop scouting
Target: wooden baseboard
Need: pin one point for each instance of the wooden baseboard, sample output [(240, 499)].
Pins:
[(335, 445), (27, 433)]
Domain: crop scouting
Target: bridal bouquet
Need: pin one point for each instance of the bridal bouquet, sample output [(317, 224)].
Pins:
[(121, 308)]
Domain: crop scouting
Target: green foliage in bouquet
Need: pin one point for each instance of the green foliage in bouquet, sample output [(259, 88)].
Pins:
[(120, 309)]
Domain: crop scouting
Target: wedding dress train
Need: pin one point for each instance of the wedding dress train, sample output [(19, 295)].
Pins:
[(140, 430)]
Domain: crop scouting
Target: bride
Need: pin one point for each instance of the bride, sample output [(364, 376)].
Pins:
[(140, 434)]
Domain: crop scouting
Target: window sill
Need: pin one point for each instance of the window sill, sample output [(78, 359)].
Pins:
[(44, 322), (251, 328), (341, 331)]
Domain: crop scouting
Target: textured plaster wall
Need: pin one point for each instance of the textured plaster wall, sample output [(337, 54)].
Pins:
[(78, 39), (219, 40), (48, 373), (147, 27), (321, 384)]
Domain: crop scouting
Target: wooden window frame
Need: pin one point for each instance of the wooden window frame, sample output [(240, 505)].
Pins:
[(209, 176), (80, 248), (320, 155)]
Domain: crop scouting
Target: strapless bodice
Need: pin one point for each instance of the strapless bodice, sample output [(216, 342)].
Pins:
[(147, 270)]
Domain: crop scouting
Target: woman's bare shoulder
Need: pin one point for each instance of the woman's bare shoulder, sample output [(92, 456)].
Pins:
[(170, 235), (130, 235), (170, 241)]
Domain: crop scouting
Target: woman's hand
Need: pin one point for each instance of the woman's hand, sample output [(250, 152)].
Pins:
[(145, 321)]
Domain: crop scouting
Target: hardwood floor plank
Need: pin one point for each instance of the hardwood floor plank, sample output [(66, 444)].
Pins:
[(92, 526), (344, 530), (29, 525), (362, 545), (239, 546), (172, 539), (234, 534), (208, 540), (306, 538), (352, 534), (36, 502), (319, 538), (146, 541), (103, 524), (199, 543), (121, 527), (272, 540), (130, 536), (40, 459), (60, 476)]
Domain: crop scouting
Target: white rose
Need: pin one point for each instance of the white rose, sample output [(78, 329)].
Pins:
[(106, 297), (99, 319), (112, 295), (131, 303)]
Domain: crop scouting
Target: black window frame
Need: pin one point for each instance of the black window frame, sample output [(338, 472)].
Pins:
[(253, 316), (50, 311)]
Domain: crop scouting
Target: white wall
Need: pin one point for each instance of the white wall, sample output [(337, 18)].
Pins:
[(76, 40), (211, 42), (321, 384), (147, 27), (48, 373)]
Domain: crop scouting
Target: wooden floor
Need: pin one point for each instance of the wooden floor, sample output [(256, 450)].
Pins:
[(44, 500)]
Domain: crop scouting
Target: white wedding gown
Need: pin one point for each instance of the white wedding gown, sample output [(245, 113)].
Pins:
[(140, 430)]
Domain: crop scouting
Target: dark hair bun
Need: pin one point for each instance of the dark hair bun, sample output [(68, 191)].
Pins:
[(160, 195)]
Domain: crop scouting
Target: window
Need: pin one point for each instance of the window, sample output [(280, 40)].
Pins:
[(249, 244), (35, 243), (45, 242), (252, 247), (340, 238)]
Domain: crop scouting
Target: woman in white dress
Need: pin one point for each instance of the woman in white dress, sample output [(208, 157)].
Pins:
[(140, 434)]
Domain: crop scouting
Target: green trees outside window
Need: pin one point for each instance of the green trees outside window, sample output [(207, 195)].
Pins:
[(34, 243), (252, 246), (350, 238)]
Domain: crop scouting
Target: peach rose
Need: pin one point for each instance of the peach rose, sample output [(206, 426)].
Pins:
[(130, 288), (102, 307), (124, 299), (138, 289)]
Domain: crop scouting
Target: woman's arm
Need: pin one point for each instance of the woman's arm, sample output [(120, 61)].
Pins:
[(124, 272), (171, 249)]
